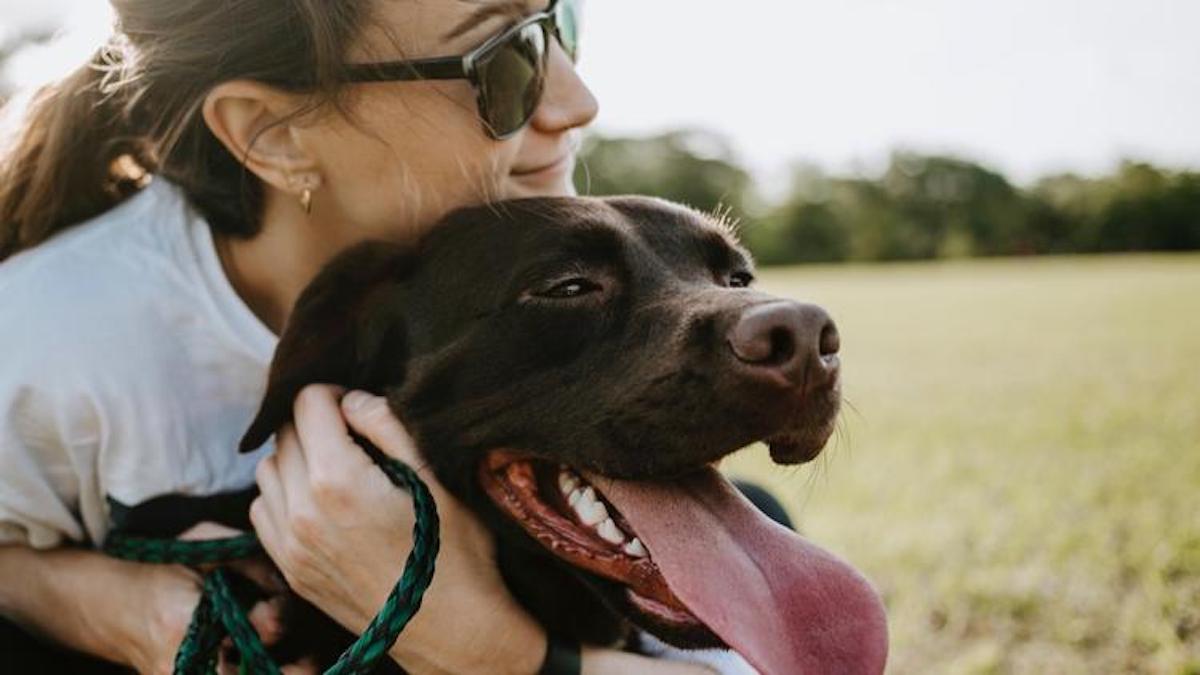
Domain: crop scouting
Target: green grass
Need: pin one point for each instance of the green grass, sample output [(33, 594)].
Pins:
[(1019, 470)]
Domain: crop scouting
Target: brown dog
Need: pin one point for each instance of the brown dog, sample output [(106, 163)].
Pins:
[(571, 369)]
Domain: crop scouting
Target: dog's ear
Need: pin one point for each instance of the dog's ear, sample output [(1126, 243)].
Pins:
[(340, 330)]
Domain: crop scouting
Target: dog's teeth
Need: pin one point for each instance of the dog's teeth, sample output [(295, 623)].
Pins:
[(635, 548), (591, 511), (587, 497), (574, 497), (609, 532), (567, 482), (595, 515)]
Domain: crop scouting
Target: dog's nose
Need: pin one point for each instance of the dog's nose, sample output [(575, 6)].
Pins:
[(796, 341)]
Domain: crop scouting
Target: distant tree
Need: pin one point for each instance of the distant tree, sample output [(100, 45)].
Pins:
[(954, 206), (1139, 208), (806, 227), (1065, 212), (1151, 210), (799, 232), (1179, 227), (921, 207), (692, 167)]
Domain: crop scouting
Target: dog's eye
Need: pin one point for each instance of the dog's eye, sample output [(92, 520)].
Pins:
[(740, 280), (571, 288)]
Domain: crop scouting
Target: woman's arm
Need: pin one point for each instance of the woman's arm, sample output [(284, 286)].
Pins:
[(98, 605), (129, 613)]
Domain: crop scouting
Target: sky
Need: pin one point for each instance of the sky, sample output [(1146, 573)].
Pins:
[(1027, 86)]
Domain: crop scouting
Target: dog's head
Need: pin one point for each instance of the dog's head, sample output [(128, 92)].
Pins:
[(571, 368)]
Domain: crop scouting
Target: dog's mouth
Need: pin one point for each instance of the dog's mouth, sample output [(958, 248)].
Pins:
[(699, 564), (572, 519)]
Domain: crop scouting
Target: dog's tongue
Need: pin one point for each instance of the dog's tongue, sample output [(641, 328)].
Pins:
[(781, 602)]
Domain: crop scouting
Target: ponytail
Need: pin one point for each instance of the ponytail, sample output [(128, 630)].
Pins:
[(73, 156), (88, 142)]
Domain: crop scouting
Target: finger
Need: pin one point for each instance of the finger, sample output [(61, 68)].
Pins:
[(292, 468), (226, 660), (373, 418), (266, 616), (271, 490), (267, 527), (323, 436)]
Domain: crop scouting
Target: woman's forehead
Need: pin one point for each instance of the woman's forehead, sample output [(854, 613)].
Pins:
[(403, 29)]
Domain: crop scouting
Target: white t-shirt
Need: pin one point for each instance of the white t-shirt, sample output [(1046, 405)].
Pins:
[(129, 369)]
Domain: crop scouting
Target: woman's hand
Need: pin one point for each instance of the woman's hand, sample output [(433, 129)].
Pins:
[(340, 532), (130, 613), (168, 595)]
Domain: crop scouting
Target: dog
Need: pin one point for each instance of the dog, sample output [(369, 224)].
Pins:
[(572, 369)]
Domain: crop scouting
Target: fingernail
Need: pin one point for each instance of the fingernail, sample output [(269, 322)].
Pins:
[(355, 400)]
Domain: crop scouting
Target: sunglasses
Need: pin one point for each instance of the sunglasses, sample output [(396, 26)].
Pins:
[(508, 71)]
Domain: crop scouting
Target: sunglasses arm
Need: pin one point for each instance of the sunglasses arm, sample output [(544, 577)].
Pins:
[(444, 68)]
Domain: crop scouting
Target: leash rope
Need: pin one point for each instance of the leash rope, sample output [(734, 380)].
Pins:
[(218, 614)]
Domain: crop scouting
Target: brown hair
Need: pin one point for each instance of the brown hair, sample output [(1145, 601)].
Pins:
[(87, 142)]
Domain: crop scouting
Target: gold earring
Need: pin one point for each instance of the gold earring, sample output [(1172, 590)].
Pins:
[(306, 200)]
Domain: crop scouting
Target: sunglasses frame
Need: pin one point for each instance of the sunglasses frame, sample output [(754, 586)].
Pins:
[(467, 66)]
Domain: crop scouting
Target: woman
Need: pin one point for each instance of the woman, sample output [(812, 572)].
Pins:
[(139, 319)]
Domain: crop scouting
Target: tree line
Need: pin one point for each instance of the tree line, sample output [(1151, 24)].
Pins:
[(918, 207)]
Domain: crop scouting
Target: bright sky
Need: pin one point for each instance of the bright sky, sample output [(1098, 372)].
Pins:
[(1029, 86)]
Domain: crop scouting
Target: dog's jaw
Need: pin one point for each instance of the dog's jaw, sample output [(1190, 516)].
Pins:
[(569, 518)]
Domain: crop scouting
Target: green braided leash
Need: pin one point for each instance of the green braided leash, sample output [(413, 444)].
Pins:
[(219, 614)]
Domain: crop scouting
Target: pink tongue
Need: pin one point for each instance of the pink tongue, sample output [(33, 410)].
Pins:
[(779, 601)]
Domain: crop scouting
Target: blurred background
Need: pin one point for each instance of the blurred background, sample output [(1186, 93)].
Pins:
[(999, 203)]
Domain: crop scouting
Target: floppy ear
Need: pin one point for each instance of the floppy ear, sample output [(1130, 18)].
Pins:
[(346, 328)]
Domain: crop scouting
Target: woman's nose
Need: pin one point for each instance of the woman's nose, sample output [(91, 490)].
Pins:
[(567, 102)]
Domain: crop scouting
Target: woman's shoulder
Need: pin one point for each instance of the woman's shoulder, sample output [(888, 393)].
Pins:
[(77, 266), (110, 242), (105, 284)]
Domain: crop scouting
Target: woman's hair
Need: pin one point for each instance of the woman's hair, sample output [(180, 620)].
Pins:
[(88, 141)]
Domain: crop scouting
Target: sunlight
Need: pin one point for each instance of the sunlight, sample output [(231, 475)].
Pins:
[(86, 28)]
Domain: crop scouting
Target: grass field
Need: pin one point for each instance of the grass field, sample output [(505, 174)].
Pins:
[(1019, 472)]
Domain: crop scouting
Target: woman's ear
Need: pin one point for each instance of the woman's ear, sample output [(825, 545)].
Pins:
[(347, 329), (256, 123)]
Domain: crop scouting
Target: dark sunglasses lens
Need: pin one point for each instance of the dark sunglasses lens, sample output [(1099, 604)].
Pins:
[(567, 18), (511, 80)]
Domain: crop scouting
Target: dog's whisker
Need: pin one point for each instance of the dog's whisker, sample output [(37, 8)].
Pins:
[(722, 216), (853, 408), (843, 429)]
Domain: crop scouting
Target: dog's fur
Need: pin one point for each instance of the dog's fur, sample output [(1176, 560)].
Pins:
[(632, 378)]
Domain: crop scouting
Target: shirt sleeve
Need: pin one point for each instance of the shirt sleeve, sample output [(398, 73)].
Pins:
[(49, 440), (44, 466)]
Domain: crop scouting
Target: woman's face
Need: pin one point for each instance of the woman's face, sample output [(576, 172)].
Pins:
[(414, 150)]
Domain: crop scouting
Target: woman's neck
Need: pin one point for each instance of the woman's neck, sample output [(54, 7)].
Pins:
[(270, 270)]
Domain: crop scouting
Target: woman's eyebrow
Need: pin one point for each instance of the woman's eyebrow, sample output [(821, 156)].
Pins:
[(513, 9)]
